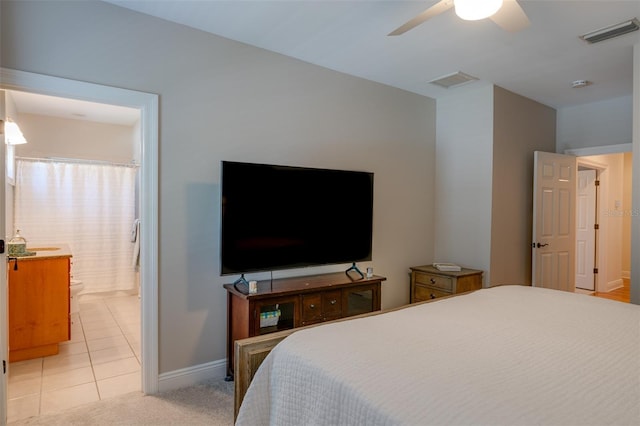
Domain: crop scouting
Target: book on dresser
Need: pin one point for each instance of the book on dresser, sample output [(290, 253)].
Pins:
[(444, 266)]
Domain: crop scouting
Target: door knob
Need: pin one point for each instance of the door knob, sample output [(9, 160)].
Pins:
[(542, 245)]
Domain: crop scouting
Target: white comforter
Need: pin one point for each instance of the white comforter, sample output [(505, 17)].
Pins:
[(508, 355)]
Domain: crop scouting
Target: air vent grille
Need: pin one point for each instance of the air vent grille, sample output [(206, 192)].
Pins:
[(612, 31), (452, 80)]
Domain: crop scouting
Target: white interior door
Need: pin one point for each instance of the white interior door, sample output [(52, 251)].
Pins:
[(585, 229), (554, 230), (4, 317)]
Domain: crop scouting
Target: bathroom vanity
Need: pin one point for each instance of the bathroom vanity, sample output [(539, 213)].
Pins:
[(39, 302)]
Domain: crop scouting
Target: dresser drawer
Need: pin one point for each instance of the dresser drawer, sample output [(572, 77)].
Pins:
[(332, 304), (444, 283), (311, 308), (422, 292)]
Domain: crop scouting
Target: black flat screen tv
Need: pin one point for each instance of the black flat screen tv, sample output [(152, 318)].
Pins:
[(282, 217)]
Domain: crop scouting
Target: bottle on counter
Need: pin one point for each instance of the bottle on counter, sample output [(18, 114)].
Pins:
[(17, 245)]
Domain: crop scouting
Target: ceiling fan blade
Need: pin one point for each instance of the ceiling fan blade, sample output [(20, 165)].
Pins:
[(436, 9), (511, 17)]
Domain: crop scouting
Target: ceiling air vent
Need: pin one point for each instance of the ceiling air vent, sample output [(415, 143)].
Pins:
[(452, 80), (612, 31)]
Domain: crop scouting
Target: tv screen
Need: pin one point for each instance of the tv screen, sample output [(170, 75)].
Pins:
[(281, 217)]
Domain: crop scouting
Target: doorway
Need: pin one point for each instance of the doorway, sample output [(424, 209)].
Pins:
[(86, 155), (609, 228), (148, 106)]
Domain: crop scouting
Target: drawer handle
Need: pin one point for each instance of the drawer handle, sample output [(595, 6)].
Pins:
[(333, 302), (432, 281), (433, 296), (312, 306)]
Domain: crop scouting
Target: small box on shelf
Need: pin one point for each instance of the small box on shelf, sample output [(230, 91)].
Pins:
[(269, 318)]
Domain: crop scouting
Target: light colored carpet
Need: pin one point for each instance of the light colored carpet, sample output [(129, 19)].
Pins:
[(210, 403)]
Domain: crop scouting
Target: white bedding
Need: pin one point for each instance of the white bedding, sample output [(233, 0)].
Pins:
[(508, 355)]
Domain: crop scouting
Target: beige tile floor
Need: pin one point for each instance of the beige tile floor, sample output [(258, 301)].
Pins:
[(102, 360)]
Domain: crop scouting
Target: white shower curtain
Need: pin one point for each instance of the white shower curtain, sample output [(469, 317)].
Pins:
[(88, 206)]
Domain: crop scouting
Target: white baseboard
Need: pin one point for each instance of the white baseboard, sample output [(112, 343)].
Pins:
[(612, 285), (192, 375), (626, 274)]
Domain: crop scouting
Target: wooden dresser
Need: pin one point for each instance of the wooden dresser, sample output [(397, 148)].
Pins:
[(428, 282), (288, 303)]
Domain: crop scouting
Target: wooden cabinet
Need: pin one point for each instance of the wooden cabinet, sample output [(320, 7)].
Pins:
[(428, 282), (38, 306), (288, 303)]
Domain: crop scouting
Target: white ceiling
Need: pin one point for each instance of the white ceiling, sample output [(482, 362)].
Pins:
[(31, 103), (539, 62)]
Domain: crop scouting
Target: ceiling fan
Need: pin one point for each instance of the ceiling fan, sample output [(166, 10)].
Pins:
[(505, 13)]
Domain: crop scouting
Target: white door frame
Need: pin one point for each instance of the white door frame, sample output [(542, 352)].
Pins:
[(586, 217), (600, 150), (603, 193), (4, 303), (603, 176), (147, 103)]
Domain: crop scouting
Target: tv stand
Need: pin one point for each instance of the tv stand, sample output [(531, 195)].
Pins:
[(288, 303), (353, 267)]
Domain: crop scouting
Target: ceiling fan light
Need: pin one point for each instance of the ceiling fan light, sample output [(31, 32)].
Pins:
[(473, 10)]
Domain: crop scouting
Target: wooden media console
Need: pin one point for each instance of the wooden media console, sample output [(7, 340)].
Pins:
[(288, 303)]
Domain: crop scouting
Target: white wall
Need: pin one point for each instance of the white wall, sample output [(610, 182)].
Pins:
[(69, 138), (635, 219), (223, 100), (608, 122), (464, 150)]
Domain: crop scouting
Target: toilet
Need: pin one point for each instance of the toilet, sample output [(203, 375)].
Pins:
[(75, 288)]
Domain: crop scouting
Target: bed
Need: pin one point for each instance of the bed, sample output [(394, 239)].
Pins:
[(508, 355)]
